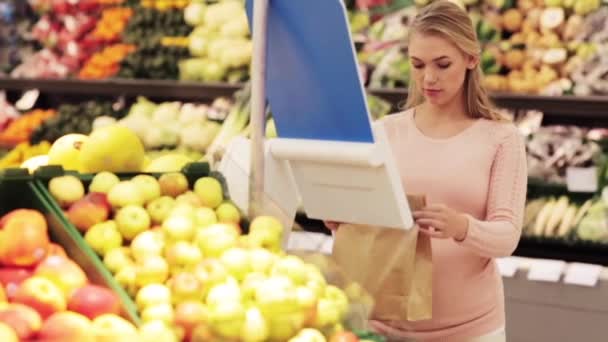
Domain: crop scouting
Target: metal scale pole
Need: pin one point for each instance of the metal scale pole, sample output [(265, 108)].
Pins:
[(258, 106)]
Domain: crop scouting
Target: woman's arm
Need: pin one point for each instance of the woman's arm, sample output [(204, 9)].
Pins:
[(498, 235)]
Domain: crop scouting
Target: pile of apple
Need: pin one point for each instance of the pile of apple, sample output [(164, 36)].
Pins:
[(179, 251), (46, 296)]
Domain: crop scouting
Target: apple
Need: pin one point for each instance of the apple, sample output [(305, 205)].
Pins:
[(118, 258), (307, 298), (160, 312), (228, 291), (146, 244), (11, 278), (132, 220), (24, 239), (153, 269), (112, 328), (205, 217), (293, 267), (7, 334), (255, 328), (173, 184), (344, 336), (249, 286), (63, 272), (277, 295), (93, 300), (309, 335), (156, 331), (202, 333), (42, 295), (236, 261), (66, 327), (92, 209), (103, 182), (339, 299), (210, 191), (182, 255), (189, 197), (216, 239), (185, 286), (267, 232), (160, 208), (183, 209), (55, 249), (3, 297), (148, 187), (261, 260), (284, 327), (30, 215), (210, 272), (327, 313), (227, 318), (179, 227), (228, 213), (125, 193), (24, 320), (188, 315), (127, 279), (66, 190), (153, 294), (104, 237)]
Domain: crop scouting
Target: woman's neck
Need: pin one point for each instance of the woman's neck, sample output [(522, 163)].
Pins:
[(454, 109)]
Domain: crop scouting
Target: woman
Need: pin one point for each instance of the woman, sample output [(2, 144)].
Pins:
[(451, 145)]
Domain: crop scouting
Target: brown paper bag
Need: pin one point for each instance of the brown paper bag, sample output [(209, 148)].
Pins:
[(393, 265)]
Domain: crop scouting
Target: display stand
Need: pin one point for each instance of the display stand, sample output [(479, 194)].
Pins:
[(342, 169)]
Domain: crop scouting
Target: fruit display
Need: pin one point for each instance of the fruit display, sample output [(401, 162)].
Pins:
[(20, 129), (220, 44), (154, 62), (74, 119), (45, 295), (179, 249), (106, 63), (16, 45), (23, 152)]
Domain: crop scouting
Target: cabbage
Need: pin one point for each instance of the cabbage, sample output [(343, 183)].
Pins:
[(197, 45), (194, 13), (143, 107), (220, 13), (237, 27), (594, 226), (166, 112)]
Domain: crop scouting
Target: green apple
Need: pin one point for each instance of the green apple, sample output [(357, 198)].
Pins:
[(266, 232), (173, 184), (317, 286), (277, 296), (227, 212), (263, 223), (132, 220), (110, 327), (205, 217), (159, 312), (293, 267), (236, 261), (151, 295), (126, 277), (216, 239), (185, 286), (261, 260), (309, 335), (66, 190), (183, 209), (327, 313), (307, 298), (125, 193), (182, 256), (227, 291), (148, 187), (179, 227), (154, 331), (249, 286), (103, 182), (160, 208), (153, 269), (189, 197), (210, 272), (338, 297), (283, 327), (227, 318), (146, 244), (210, 191), (103, 237), (188, 315), (118, 258), (255, 328)]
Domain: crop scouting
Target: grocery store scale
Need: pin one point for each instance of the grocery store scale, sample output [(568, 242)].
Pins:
[(329, 157)]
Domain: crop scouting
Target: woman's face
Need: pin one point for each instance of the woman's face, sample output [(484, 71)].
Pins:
[(438, 68)]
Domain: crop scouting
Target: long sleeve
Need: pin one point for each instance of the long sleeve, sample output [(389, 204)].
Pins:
[(498, 234)]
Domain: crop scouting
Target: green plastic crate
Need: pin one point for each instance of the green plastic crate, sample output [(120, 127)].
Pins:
[(19, 190)]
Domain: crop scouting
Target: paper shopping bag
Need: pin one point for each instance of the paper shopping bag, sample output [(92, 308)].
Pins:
[(393, 265)]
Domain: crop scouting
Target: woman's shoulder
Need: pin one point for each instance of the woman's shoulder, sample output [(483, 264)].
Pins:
[(394, 118), (500, 132)]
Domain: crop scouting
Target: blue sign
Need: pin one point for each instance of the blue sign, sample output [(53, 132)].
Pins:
[(313, 84)]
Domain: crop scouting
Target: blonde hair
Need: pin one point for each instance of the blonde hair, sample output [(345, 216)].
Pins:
[(449, 21)]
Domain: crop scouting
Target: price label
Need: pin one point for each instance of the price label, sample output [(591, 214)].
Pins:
[(507, 266), (583, 274), (546, 270), (581, 179)]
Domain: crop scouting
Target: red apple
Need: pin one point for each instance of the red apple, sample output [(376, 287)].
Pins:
[(42, 295), (190, 314), (24, 320), (55, 249), (66, 327), (92, 301), (112, 328), (24, 240), (12, 277), (65, 273), (91, 209)]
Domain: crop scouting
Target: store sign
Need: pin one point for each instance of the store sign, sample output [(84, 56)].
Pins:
[(581, 179), (583, 274), (546, 270)]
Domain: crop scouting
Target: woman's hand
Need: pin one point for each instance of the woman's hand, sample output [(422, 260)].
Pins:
[(332, 225), (439, 221)]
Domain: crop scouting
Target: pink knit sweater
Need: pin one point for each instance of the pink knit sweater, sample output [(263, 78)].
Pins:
[(482, 173)]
